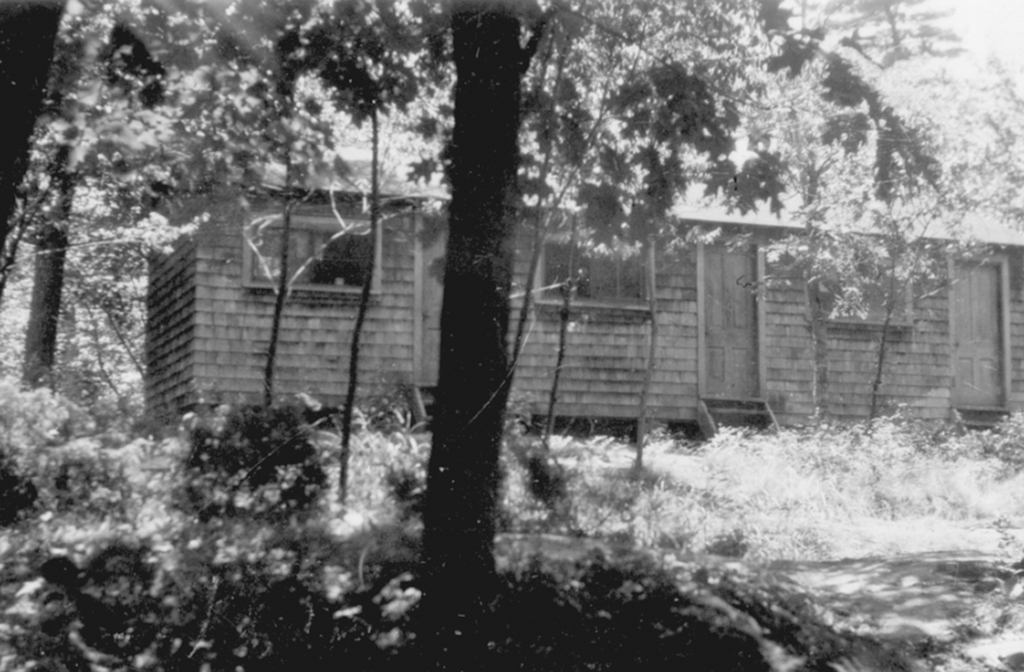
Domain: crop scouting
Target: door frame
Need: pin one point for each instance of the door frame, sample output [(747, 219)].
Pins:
[(760, 312), (419, 267), (1002, 262)]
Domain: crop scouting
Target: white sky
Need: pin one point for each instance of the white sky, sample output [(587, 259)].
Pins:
[(990, 27)]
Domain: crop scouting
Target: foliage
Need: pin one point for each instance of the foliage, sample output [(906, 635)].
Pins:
[(158, 589), (1003, 444), (20, 493), (297, 597), (252, 460), (765, 496), (51, 443)]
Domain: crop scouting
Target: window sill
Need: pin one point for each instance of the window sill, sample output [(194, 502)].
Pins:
[(902, 324), (307, 293), (608, 310)]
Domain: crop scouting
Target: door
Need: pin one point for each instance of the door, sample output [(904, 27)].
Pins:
[(432, 289), (977, 338), (730, 323)]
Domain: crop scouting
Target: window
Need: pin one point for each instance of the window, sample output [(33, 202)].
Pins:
[(322, 255), (612, 276), (867, 302)]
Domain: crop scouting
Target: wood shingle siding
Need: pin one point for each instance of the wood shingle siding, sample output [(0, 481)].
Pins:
[(209, 328), (607, 347), (170, 331)]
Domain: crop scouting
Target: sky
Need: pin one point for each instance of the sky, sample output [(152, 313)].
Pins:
[(990, 27)]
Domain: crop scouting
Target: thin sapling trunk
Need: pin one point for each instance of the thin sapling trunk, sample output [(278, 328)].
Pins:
[(568, 288), (281, 291), (883, 345), (652, 305), (364, 303)]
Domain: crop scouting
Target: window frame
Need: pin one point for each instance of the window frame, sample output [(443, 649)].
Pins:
[(551, 297), (902, 317), (311, 223)]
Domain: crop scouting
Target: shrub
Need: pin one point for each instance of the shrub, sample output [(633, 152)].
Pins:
[(253, 460), (19, 493), (1004, 443), (45, 443)]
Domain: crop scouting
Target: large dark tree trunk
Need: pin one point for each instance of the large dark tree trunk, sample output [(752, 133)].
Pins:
[(27, 33), (463, 477), (48, 281)]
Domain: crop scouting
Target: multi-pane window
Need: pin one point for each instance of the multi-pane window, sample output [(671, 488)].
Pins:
[(868, 301), (321, 253), (616, 276)]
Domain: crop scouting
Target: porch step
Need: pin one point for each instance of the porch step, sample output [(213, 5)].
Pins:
[(713, 412), (981, 418), (421, 401)]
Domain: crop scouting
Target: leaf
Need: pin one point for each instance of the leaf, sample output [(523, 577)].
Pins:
[(850, 131)]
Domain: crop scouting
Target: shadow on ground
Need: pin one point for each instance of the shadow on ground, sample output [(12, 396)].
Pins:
[(927, 595)]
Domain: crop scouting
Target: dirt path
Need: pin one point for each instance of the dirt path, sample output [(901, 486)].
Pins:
[(959, 599), (909, 598)]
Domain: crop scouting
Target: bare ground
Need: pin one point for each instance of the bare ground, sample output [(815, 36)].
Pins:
[(960, 606)]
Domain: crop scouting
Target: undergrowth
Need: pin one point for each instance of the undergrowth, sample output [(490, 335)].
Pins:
[(248, 558)]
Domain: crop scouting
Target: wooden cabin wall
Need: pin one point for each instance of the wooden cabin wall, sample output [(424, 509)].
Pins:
[(607, 349), (233, 322), (1016, 400), (917, 371), (789, 347), (170, 331)]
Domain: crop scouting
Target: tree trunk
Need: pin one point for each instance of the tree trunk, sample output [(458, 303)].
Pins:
[(818, 316), (364, 304), (883, 344), (48, 282), (282, 290), (463, 474), (27, 33), (44, 313), (563, 338), (652, 304), (568, 287), (528, 289)]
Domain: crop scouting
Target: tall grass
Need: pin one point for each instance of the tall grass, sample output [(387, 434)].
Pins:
[(792, 495)]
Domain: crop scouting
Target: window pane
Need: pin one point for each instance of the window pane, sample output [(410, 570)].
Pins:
[(270, 251), (344, 261), (556, 265), (631, 278), (601, 277), (315, 256), (604, 282)]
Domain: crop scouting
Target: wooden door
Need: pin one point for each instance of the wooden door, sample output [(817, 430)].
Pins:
[(730, 323), (432, 288), (977, 339)]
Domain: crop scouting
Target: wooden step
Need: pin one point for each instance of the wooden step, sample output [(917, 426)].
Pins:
[(421, 401), (715, 412), (981, 417)]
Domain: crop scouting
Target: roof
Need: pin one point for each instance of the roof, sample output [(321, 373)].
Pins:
[(395, 181), (975, 226), (394, 177)]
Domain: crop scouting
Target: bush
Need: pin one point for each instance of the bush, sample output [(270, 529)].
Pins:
[(1004, 443), (298, 601), (252, 460), (45, 444), (19, 493)]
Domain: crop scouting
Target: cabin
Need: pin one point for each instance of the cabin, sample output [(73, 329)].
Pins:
[(731, 347)]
